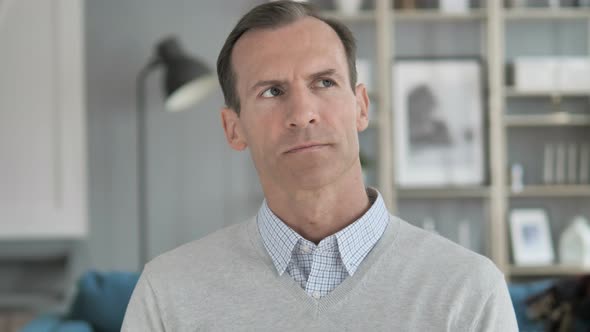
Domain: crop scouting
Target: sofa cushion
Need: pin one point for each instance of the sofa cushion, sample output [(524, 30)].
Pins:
[(102, 299), (519, 293)]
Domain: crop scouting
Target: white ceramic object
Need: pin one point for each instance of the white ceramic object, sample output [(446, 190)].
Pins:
[(574, 243)]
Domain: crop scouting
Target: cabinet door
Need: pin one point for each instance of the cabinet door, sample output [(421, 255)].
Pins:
[(42, 124)]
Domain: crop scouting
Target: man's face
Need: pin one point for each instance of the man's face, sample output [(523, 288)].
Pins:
[(298, 114)]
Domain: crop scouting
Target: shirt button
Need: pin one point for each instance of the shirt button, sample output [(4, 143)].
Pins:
[(316, 295), (305, 249)]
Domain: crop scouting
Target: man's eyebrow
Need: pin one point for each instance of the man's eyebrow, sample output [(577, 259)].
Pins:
[(327, 72), (267, 83)]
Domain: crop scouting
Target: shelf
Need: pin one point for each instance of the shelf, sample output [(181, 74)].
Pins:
[(361, 16), (450, 192), (556, 119), (437, 15), (493, 23), (553, 191), (512, 92), (547, 13), (550, 270)]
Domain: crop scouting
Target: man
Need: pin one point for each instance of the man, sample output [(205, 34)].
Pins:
[(323, 252)]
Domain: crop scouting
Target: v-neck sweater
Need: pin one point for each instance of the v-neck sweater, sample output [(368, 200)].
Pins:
[(319, 268), (411, 280)]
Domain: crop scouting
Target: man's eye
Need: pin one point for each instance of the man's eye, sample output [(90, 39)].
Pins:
[(325, 83), (272, 92)]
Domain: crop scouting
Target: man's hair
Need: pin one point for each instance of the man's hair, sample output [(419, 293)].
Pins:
[(274, 15)]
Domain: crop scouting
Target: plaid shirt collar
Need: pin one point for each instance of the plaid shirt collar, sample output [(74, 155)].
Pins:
[(354, 242)]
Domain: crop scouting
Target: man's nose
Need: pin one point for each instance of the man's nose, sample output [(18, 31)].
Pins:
[(302, 108)]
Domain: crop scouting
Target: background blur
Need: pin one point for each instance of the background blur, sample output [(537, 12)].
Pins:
[(196, 184)]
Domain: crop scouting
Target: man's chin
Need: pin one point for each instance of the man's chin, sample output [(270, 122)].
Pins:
[(312, 179)]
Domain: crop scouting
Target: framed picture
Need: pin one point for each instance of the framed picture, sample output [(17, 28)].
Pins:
[(531, 237), (438, 122)]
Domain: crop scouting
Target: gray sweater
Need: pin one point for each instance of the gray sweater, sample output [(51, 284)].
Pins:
[(412, 280)]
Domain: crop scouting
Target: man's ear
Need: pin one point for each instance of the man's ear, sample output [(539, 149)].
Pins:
[(232, 127), (362, 104)]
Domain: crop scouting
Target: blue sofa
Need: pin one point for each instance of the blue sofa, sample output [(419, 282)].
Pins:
[(99, 305), (102, 298)]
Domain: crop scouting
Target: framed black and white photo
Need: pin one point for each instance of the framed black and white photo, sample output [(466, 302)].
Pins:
[(531, 237), (438, 122)]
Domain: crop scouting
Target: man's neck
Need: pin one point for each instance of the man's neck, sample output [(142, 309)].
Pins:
[(318, 213)]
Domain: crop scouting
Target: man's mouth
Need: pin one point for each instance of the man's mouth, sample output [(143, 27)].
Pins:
[(306, 147)]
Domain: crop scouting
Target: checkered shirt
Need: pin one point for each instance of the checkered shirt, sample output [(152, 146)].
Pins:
[(320, 268)]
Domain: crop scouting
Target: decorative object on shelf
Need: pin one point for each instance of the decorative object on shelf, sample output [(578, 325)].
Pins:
[(574, 243), (349, 7), (566, 163), (572, 173), (516, 178), (363, 71), (454, 6), (535, 74), (560, 162), (573, 73), (438, 122), (531, 237), (584, 163), (186, 82), (548, 163), (551, 74)]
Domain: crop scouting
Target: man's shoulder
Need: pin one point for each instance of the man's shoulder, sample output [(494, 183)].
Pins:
[(209, 252), (446, 282), (449, 260)]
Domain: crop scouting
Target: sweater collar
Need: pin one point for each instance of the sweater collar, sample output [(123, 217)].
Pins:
[(354, 241)]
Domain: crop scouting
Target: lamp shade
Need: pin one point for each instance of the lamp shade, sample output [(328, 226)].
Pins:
[(186, 80)]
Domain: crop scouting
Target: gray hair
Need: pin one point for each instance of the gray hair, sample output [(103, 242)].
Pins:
[(272, 15)]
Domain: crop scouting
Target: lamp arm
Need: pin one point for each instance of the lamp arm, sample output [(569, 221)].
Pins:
[(141, 128)]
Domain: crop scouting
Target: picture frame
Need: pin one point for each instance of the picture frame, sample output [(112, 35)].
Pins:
[(438, 122), (531, 237)]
